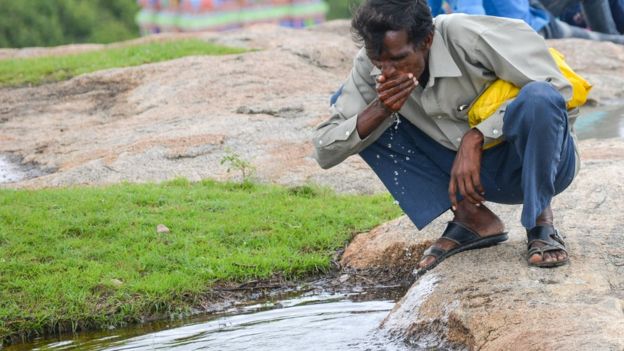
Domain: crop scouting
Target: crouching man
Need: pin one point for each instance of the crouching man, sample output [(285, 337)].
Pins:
[(405, 107)]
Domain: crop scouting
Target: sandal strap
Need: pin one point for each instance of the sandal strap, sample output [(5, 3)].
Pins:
[(546, 235), (459, 233), (434, 252)]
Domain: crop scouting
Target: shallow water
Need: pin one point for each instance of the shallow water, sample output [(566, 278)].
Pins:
[(12, 170), (601, 122), (313, 321)]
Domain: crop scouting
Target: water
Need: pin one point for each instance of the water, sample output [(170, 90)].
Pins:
[(12, 170), (314, 321), (601, 122)]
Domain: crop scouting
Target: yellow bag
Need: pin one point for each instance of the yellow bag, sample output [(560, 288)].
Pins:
[(500, 91)]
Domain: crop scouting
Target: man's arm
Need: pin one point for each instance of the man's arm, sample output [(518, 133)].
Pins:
[(361, 114)]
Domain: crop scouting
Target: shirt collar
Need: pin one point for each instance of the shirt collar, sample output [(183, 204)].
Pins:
[(441, 63)]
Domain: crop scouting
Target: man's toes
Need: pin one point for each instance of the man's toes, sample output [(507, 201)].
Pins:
[(426, 262), (548, 257), (536, 258), (561, 255)]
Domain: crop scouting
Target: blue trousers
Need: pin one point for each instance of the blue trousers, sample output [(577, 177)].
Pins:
[(536, 161)]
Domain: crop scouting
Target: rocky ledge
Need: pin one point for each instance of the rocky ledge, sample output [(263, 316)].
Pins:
[(180, 118)]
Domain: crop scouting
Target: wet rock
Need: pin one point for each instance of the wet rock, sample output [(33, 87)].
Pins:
[(162, 229)]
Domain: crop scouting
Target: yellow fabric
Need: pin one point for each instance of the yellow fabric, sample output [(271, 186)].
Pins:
[(500, 91)]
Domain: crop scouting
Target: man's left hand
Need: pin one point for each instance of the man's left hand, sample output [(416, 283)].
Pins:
[(465, 174)]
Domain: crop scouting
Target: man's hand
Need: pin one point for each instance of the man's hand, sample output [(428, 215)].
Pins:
[(392, 95), (466, 169), (393, 92)]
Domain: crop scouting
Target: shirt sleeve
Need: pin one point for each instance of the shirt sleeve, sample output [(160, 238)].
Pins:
[(517, 54), (337, 138)]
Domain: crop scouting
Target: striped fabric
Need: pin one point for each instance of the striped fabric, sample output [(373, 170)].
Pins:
[(199, 15)]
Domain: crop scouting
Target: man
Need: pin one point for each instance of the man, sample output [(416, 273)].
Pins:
[(404, 109)]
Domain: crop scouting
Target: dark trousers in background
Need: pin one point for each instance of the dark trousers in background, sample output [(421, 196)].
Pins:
[(536, 162)]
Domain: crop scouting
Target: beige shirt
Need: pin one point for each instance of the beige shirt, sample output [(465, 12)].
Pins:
[(467, 54)]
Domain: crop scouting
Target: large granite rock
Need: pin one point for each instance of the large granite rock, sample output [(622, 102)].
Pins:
[(490, 300)]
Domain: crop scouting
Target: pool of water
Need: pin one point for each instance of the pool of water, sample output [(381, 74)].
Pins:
[(12, 170), (312, 321), (601, 122)]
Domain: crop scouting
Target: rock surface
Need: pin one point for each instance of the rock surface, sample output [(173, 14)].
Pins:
[(180, 118), (490, 300)]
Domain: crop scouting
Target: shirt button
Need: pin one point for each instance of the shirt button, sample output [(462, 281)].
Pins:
[(320, 142), (439, 117), (495, 131), (458, 140), (347, 133)]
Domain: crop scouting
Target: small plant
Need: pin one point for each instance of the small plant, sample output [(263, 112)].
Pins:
[(235, 162)]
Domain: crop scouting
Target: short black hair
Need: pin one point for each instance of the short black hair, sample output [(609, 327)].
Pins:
[(374, 18)]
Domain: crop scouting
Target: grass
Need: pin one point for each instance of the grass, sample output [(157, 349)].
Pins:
[(84, 257), (39, 70)]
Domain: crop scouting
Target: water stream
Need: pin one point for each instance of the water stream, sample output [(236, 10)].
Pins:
[(312, 321)]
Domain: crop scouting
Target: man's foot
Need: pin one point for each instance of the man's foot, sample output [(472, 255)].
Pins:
[(479, 220), (550, 257)]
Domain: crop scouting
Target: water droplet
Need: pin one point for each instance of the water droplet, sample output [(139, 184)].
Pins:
[(407, 158), (396, 202), (389, 146), (396, 173), (377, 155)]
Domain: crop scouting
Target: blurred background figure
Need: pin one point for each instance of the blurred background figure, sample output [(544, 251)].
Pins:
[(199, 15), (587, 14), (538, 16)]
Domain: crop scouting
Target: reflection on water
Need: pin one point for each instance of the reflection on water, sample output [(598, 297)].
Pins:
[(310, 322), (600, 122)]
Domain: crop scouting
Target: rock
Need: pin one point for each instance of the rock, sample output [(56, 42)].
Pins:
[(490, 299), (116, 282), (162, 229)]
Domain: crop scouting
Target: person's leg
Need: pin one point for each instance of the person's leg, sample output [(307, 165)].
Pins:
[(557, 29), (536, 126), (599, 17), (617, 10), (415, 170)]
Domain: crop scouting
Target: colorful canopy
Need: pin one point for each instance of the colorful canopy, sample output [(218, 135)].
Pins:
[(198, 15)]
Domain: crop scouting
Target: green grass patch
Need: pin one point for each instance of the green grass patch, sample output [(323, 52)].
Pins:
[(91, 257), (39, 70)]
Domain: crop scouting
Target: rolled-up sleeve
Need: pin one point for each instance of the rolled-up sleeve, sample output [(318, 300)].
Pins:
[(337, 138), (520, 61)]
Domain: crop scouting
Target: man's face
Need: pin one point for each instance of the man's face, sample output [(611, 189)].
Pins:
[(400, 57)]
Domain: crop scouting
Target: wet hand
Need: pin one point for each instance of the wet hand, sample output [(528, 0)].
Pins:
[(393, 92), (465, 173)]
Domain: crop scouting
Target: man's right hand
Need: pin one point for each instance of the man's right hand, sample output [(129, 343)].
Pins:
[(395, 91), (392, 94)]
